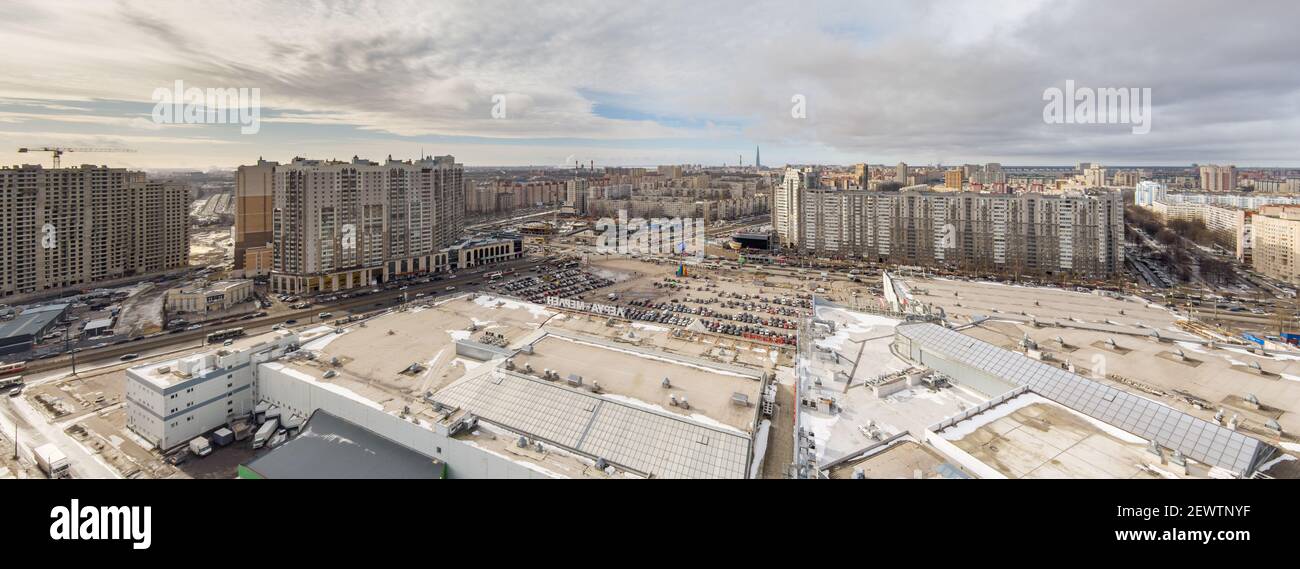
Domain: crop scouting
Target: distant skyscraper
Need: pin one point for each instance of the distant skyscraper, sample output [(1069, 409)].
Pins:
[(900, 173), (863, 174), (1216, 178), (953, 178), (758, 162), (786, 203), (1094, 176)]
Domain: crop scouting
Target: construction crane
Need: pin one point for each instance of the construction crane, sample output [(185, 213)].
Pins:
[(59, 150)]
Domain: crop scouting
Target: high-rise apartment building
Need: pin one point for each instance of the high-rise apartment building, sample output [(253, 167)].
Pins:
[(1218, 178), (576, 195), (1080, 234), (1148, 192), (341, 225), (862, 175), (900, 173), (785, 203), (952, 179), (71, 227), (1094, 176), (1276, 242), (254, 204)]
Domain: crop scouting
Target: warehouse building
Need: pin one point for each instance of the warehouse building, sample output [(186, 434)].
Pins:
[(20, 334), (170, 403)]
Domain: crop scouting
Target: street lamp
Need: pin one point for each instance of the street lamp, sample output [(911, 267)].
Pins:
[(73, 351)]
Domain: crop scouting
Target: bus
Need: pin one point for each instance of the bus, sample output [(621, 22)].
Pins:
[(8, 382), (492, 277), (223, 335), (12, 368)]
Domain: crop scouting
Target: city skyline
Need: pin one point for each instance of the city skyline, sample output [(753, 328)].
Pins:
[(497, 84)]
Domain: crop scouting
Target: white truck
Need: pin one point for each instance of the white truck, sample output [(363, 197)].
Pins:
[(200, 446), (264, 432), (52, 461)]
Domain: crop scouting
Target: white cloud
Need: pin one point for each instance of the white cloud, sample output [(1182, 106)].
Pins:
[(919, 81)]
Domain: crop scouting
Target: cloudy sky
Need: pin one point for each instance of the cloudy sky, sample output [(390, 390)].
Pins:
[(651, 82)]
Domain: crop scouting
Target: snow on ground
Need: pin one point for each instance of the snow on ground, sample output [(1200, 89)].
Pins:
[(536, 310), (972, 424), (696, 417), (318, 344), (657, 358), (649, 327), (858, 323), (821, 427), (760, 447), (339, 389), (457, 335), (469, 364)]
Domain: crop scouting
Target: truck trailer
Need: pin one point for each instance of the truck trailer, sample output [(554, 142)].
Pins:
[(264, 432), (52, 461)]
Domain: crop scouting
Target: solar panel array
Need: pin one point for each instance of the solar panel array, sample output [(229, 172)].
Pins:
[(1196, 438), (636, 438)]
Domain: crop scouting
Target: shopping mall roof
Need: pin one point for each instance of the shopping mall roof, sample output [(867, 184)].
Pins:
[(331, 447), (627, 435), (1193, 437)]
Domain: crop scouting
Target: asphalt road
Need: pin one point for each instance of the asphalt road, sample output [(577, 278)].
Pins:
[(339, 308)]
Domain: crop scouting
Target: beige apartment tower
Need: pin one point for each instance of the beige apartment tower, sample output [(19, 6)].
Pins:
[(69, 228), (1276, 247), (254, 204), (341, 225)]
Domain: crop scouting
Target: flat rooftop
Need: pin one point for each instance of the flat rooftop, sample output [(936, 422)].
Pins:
[(152, 372), (373, 357), (1137, 362), (628, 420), (1029, 436), (625, 433), (637, 373), (860, 416), (903, 458)]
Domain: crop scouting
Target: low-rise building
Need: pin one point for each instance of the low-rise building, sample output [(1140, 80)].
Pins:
[(202, 298), (172, 402)]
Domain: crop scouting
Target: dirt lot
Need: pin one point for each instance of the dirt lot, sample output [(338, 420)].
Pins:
[(212, 247), (142, 312)]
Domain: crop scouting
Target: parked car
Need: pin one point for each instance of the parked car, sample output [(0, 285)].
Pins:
[(128, 357)]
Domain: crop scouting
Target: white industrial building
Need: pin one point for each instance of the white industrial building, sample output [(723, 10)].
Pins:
[(498, 417), (170, 403)]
